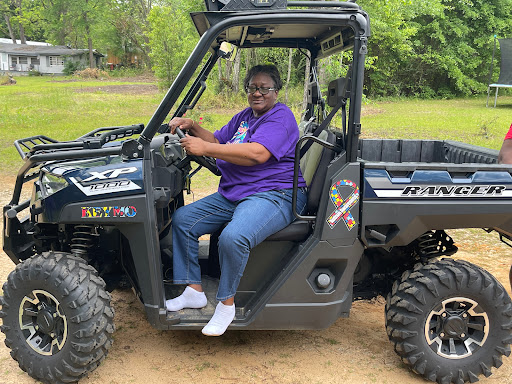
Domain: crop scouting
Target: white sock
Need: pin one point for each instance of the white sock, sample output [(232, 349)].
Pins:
[(190, 298), (223, 316)]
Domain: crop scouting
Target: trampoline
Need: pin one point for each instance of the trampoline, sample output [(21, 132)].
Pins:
[(505, 79)]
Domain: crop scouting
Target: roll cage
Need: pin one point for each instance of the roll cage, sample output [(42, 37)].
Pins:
[(337, 27), (321, 32)]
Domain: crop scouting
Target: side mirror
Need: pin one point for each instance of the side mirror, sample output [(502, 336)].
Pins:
[(227, 51)]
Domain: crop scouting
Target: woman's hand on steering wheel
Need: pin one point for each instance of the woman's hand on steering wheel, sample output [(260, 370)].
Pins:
[(181, 122), (195, 145)]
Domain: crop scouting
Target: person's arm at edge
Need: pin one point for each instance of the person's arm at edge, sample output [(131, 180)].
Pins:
[(505, 155)]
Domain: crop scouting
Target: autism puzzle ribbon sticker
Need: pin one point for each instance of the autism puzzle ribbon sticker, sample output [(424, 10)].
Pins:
[(342, 211)]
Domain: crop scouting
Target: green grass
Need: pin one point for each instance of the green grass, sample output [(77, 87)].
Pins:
[(65, 108), (60, 109)]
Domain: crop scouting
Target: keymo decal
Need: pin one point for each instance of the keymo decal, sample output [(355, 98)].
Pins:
[(114, 212), (429, 191), (103, 187), (343, 207)]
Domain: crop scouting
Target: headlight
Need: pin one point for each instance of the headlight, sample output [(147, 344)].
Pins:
[(52, 184)]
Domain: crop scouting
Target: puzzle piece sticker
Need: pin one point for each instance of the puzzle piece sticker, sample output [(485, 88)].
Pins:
[(343, 207)]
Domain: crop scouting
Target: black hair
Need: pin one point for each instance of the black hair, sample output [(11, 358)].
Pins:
[(268, 69)]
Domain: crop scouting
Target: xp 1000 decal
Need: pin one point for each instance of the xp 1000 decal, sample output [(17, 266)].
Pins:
[(100, 183)]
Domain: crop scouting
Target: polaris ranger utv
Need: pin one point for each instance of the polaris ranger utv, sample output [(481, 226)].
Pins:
[(101, 210)]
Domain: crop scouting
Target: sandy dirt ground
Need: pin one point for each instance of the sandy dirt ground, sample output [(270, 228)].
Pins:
[(353, 350)]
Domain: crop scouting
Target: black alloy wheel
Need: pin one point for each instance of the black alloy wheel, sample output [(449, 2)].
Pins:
[(56, 317), (450, 321)]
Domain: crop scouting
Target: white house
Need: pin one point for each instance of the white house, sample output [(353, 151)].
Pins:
[(41, 57)]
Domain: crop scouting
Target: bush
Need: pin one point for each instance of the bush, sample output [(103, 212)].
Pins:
[(33, 72), (71, 67), (7, 80), (130, 72), (91, 73)]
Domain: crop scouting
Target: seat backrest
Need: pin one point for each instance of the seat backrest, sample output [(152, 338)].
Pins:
[(313, 166), (311, 159)]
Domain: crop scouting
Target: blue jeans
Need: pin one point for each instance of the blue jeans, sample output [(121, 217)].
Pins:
[(250, 221)]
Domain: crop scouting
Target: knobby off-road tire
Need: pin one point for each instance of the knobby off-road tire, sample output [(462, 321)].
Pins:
[(450, 321), (56, 317)]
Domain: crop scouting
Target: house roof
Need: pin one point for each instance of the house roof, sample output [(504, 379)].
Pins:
[(29, 42), (32, 50)]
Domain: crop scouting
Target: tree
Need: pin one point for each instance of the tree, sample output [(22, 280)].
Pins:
[(17, 14), (129, 35), (19, 10), (169, 48), (76, 23), (390, 47), (432, 48), (7, 19), (457, 45)]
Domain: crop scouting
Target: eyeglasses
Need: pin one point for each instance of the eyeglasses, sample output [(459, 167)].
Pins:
[(263, 90)]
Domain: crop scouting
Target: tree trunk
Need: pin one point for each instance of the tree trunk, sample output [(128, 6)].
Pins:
[(306, 83), (11, 32), (235, 86), (145, 6), (89, 42), (23, 39), (92, 64), (288, 76), (221, 83), (247, 61), (322, 72), (89, 38), (227, 76), (145, 53), (250, 58)]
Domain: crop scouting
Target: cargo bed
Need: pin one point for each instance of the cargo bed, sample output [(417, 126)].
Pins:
[(434, 184)]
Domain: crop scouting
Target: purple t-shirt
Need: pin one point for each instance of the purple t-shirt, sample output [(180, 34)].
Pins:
[(277, 131)]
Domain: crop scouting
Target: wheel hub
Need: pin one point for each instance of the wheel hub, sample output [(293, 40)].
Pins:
[(42, 323), (456, 328), (45, 321)]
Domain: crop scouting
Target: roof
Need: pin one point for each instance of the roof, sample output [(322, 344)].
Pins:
[(29, 42), (32, 50), (325, 30)]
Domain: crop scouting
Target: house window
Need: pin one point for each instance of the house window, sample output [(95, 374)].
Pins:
[(14, 61), (34, 60), (23, 60), (56, 60)]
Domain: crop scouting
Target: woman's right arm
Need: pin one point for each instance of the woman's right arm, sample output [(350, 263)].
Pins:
[(193, 128)]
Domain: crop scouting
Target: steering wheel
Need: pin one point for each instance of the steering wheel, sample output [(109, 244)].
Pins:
[(205, 161)]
